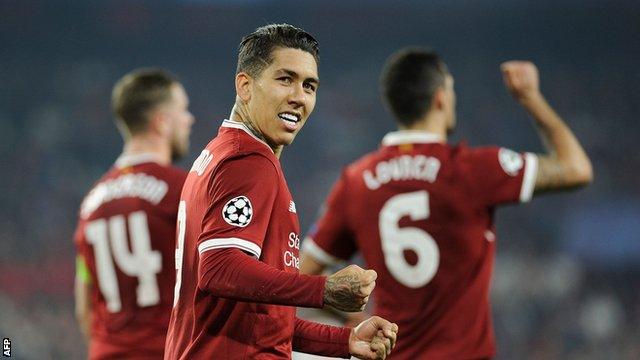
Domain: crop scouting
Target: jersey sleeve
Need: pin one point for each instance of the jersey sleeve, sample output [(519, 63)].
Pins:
[(330, 240), (496, 175), (321, 339), (241, 194), (231, 274)]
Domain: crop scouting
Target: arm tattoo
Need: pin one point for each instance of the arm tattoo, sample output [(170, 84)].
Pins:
[(340, 292)]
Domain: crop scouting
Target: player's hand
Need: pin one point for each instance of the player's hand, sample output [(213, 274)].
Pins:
[(373, 339), (349, 288), (521, 79)]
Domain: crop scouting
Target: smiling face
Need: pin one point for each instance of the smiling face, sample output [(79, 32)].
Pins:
[(280, 99)]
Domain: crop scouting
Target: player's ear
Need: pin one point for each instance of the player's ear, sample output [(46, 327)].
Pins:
[(439, 98), (158, 122), (243, 86)]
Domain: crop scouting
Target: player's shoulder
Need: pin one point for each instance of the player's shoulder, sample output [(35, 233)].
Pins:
[(224, 155), (237, 146), (174, 174), (462, 153), (108, 176), (251, 164), (364, 162), (150, 181), (470, 161), (235, 138), (169, 173)]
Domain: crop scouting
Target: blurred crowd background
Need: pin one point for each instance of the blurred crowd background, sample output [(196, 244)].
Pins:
[(567, 277)]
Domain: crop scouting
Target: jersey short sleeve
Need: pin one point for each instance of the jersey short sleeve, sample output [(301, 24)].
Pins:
[(241, 194), (496, 175), (330, 240)]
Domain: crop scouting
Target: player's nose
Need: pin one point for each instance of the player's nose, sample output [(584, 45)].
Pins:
[(297, 96)]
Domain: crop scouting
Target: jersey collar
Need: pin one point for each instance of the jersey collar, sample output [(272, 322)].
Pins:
[(238, 125), (126, 160), (410, 137)]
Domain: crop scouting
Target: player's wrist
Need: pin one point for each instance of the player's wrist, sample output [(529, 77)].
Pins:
[(351, 339), (531, 98)]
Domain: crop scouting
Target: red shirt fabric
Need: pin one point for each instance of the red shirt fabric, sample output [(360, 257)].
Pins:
[(421, 213), (126, 237), (232, 304)]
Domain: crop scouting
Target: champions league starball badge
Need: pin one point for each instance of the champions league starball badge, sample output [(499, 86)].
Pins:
[(238, 211), (510, 161)]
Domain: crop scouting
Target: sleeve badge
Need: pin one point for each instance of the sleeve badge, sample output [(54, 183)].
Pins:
[(238, 211), (510, 161)]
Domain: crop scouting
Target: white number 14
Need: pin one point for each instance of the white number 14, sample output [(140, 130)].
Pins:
[(142, 262)]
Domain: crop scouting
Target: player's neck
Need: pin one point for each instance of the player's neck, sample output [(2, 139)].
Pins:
[(239, 114), (431, 123), (148, 144)]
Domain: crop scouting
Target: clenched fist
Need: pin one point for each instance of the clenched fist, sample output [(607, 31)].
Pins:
[(521, 78), (373, 339), (349, 288)]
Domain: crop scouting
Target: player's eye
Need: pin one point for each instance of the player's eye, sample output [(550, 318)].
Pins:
[(309, 87), (285, 79)]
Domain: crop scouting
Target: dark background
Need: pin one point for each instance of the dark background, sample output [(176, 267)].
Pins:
[(567, 278)]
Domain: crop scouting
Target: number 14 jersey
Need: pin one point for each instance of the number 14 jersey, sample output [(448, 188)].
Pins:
[(421, 214), (126, 240)]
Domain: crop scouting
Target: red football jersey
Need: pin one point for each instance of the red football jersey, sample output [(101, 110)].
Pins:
[(421, 214), (126, 237), (235, 196)]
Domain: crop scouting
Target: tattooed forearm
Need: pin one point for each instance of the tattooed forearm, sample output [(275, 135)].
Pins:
[(343, 292)]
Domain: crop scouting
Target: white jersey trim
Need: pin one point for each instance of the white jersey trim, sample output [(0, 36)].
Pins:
[(126, 160), (309, 246), (410, 137), (223, 243), (529, 177), (243, 127)]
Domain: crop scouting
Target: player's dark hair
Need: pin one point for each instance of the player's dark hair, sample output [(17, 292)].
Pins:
[(409, 81), (256, 49), (138, 92)]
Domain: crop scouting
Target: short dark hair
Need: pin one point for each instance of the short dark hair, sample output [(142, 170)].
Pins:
[(255, 50), (409, 80), (138, 92)]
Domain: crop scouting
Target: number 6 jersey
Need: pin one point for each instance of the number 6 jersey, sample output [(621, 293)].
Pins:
[(421, 214), (125, 240)]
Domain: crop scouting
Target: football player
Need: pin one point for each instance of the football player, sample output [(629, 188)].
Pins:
[(126, 231), (237, 255), (421, 211)]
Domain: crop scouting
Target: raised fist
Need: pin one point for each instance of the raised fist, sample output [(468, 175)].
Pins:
[(349, 288), (521, 78)]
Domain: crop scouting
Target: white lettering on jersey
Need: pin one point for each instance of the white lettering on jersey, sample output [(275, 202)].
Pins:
[(290, 257), (510, 161), (405, 167), (294, 241), (201, 163), (138, 185)]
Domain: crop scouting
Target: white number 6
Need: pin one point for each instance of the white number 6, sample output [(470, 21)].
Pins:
[(395, 239)]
